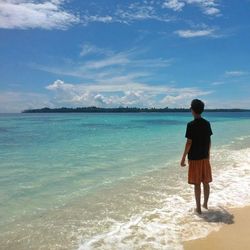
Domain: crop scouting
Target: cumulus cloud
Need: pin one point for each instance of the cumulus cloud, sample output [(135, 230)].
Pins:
[(59, 85), (183, 96), (132, 94), (111, 81), (24, 14), (195, 33)]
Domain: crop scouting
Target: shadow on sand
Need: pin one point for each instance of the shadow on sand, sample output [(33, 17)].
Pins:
[(218, 215)]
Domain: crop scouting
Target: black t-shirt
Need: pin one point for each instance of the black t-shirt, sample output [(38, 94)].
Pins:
[(199, 131)]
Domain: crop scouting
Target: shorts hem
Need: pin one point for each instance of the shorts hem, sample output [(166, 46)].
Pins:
[(204, 182)]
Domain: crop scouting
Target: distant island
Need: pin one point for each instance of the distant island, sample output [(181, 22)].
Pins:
[(94, 109)]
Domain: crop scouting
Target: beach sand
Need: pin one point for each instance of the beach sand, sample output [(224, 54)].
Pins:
[(235, 236)]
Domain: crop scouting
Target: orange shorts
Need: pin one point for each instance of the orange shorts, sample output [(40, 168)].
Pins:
[(199, 171)]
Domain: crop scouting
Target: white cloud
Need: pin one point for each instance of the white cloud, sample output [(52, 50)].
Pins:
[(184, 97), (86, 19), (24, 14), (211, 11), (116, 80), (236, 73), (151, 10), (175, 5), (208, 7), (195, 33), (114, 95), (110, 81), (58, 84), (50, 14), (138, 12)]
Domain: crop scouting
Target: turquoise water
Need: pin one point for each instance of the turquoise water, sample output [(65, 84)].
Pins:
[(55, 166)]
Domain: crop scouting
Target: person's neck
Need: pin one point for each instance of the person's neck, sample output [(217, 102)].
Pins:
[(197, 116)]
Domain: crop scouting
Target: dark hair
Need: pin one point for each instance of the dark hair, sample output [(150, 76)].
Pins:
[(197, 106)]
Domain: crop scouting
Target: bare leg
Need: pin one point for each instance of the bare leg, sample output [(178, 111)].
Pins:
[(197, 192), (206, 189)]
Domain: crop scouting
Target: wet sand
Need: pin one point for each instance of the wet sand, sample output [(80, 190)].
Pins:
[(231, 236)]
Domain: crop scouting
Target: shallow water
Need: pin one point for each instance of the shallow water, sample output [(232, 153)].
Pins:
[(112, 181)]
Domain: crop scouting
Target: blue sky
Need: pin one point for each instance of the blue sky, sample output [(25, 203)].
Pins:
[(153, 53)]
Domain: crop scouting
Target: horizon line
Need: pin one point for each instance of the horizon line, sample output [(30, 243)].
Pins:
[(120, 109)]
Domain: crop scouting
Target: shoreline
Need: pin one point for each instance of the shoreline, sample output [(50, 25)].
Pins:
[(233, 236)]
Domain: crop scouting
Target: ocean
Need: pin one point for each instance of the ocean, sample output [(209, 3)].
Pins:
[(113, 181)]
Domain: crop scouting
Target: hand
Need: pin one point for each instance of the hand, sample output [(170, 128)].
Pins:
[(183, 164)]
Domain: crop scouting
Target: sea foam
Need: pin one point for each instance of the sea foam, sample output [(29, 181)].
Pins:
[(168, 226)]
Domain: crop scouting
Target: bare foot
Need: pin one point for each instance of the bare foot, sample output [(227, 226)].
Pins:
[(198, 210), (205, 206)]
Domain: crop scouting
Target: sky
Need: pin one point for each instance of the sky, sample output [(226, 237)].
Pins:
[(107, 53)]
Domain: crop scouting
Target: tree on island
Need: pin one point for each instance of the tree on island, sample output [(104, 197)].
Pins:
[(94, 109)]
